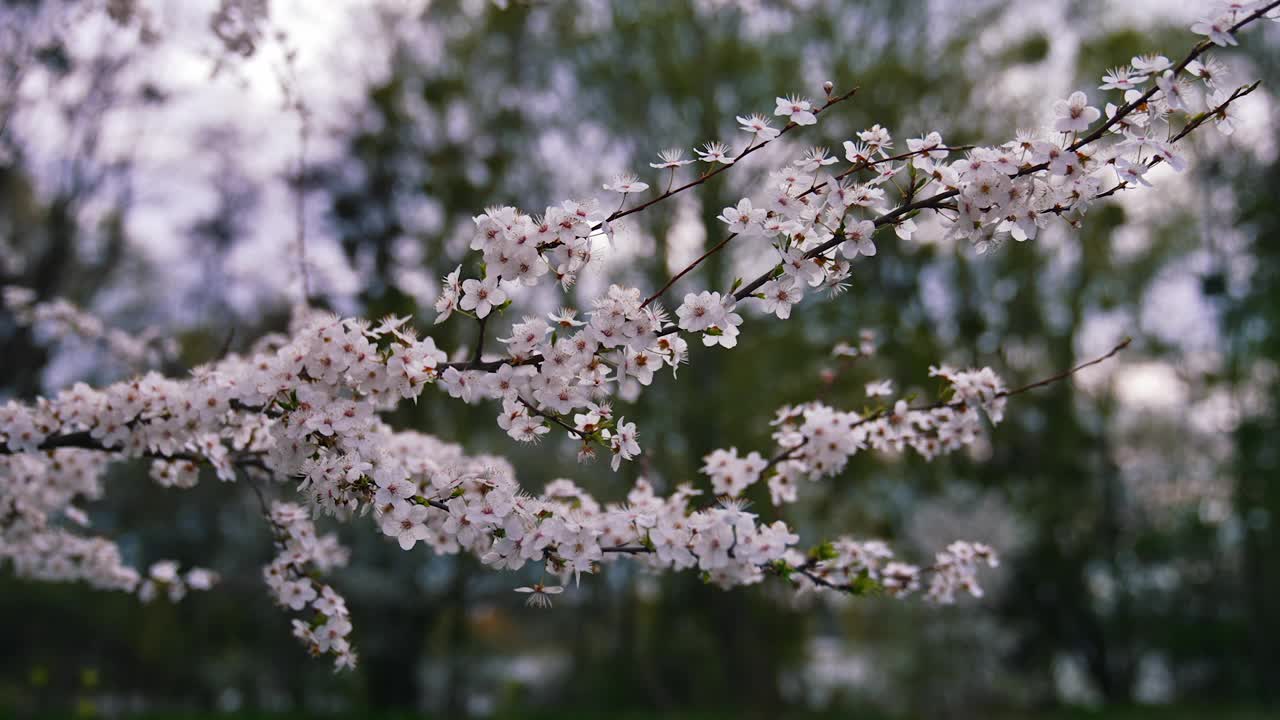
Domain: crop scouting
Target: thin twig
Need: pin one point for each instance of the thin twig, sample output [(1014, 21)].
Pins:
[(935, 201), (620, 213), (550, 416), (1068, 373), (475, 357), (1007, 393)]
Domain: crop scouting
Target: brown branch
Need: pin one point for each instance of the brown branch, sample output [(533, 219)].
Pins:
[(857, 167), (490, 365), (783, 455), (935, 201), (689, 268), (1007, 393), (1211, 113), (620, 213), (83, 440), (475, 357), (1142, 99), (1068, 373), (627, 549), (550, 416)]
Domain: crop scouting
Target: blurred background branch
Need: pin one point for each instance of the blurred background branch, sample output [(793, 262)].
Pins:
[(149, 175)]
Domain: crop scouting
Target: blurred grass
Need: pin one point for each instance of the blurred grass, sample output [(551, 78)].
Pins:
[(1145, 712), (1142, 712)]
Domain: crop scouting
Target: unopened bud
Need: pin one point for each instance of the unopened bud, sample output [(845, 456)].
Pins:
[(827, 87)]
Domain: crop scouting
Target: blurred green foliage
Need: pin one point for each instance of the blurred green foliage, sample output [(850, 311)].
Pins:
[(1189, 712)]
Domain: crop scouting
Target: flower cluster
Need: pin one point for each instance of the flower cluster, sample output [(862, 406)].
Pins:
[(713, 316), (38, 519), (59, 319), (520, 248), (815, 440), (308, 410), (956, 568), (821, 221), (288, 576)]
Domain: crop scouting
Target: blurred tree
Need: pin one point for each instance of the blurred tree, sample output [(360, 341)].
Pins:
[(1251, 312), (483, 106)]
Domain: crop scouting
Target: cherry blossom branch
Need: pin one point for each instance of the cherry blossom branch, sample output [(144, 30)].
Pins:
[(311, 410), (688, 268), (857, 167), (1121, 113), (719, 329), (1065, 374), (1190, 127), (551, 416), (1195, 52), (704, 177), (788, 453)]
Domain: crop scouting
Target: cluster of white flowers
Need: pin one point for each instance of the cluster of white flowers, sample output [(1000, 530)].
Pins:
[(308, 410), (868, 565), (59, 319), (305, 407), (38, 517), (520, 249), (815, 440), (289, 576), (1226, 17), (711, 315)]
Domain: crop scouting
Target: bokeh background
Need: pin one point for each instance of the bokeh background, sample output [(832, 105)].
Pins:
[(160, 161)]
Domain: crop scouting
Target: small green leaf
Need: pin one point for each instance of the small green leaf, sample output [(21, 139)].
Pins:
[(825, 551), (864, 585)]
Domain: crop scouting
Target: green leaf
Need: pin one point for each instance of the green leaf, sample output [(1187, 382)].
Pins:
[(864, 585), (825, 551)]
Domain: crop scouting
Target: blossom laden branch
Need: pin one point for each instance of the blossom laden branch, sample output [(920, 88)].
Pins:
[(740, 212), (751, 148)]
